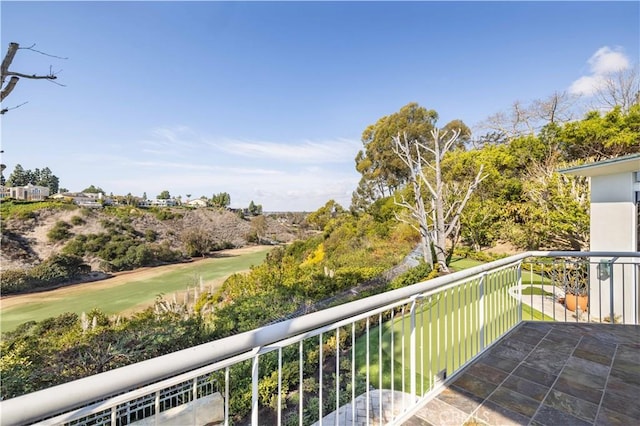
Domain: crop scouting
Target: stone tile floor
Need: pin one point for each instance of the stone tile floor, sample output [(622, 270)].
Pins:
[(546, 374)]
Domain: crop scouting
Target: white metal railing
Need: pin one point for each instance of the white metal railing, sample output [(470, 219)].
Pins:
[(379, 355)]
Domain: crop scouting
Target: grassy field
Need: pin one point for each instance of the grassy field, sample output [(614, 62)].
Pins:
[(125, 292)]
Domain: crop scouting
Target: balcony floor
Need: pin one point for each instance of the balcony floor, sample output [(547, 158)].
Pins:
[(546, 374)]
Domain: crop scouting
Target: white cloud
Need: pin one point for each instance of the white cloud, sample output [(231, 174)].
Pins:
[(587, 85), (297, 176), (335, 151), (604, 62), (607, 61)]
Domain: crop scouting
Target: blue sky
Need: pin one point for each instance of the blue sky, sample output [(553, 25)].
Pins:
[(267, 100)]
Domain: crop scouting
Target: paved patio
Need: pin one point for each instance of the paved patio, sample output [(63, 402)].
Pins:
[(546, 374)]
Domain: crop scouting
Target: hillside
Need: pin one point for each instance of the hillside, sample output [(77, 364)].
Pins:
[(26, 240)]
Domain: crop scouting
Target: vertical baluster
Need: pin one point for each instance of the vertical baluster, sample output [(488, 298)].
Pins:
[(367, 369), (337, 372), (194, 397), (156, 404), (412, 349), (392, 357), (279, 386), (481, 324), (353, 373), (301, 391), (226, 396), (321, 385), (380, 366), (255, 377)]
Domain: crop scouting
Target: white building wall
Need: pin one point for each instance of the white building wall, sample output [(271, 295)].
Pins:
[(614, 227)]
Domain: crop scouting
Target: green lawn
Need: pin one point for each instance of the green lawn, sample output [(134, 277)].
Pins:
[(113, 300), (447, 315)]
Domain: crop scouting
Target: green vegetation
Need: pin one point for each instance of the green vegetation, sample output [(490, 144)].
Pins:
[(536, 291), (522, 200), (44, 177), (59, 232), (57, 269), (26, 209)]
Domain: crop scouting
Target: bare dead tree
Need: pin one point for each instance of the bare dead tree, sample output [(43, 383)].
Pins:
[(557, 108), (446, 200), (8, 86), (527, 119), (410, 155), (621, 89)]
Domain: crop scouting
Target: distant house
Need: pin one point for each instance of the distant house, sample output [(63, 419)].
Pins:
[(83, 199), (158, 203), (197, 203), (28, 192)]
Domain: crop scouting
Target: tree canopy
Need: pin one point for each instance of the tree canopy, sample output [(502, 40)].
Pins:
[(44, 177)]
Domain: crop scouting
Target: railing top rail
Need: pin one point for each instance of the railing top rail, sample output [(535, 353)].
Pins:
[(72, 395)]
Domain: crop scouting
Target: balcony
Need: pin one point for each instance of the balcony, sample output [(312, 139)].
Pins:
[(488, 345)]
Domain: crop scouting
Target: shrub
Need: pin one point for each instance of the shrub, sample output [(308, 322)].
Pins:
[(412, 276), (59, 232), (150, 235), (77, 220), (14, 281)]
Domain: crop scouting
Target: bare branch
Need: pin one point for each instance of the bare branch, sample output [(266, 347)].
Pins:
[(42, 53), (15, 76), (32, 76), (3, 110)]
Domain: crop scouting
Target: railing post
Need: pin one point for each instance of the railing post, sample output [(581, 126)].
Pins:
[(481, 311)]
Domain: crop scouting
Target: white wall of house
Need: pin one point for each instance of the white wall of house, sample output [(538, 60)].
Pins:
[(28, 192), (613, 213), (614, 227)]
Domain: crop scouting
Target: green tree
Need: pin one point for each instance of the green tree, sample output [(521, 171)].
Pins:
[(48, 179), (93, 190), (255, 209), (601, 136), (321, 217), (19, 176), (382, 171), (44, 177), (164, 195), (221, 200)]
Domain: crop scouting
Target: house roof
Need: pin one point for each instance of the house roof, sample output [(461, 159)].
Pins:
[(627, 163)]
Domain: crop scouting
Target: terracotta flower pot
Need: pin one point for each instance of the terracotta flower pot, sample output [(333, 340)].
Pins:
[(573, 300)]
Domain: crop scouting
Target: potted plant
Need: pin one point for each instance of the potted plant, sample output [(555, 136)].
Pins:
[(575, 278)]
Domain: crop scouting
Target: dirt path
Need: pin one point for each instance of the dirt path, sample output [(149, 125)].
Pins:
[(120, 278)]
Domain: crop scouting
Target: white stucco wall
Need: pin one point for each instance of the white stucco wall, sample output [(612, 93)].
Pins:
[(613, 213), (614, 227)]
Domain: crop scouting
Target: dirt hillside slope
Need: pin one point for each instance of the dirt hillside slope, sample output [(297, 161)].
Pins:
[(25, 241)]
